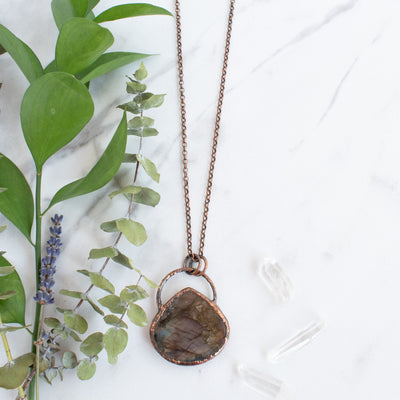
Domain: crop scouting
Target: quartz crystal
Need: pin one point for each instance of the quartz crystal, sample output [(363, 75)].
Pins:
[(296, 342), (265, 385), (276, 280), (190, 329)]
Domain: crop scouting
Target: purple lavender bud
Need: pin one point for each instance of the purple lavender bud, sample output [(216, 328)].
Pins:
[(48, 267)]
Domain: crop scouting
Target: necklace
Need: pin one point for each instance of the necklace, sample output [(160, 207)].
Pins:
[(190, 329)]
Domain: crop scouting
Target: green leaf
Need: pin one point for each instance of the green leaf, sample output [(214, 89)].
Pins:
[(113, 303), (75, 321), (83, 272), (130, 10), (12, 375), (12, 309), (72, 293), (147, 196), (86, 369), (8, 328), (145, 132), (131, 107), (3, 228), (102, 172), (69, 360), (52, 322), (132, 230), (122, 259), (64, 10), (135, 87), (74, 336), (93, 344), (109, 226), (25, 58), (51, 67), (153, 101), (94, 306), (8, 294), (133, 293), (109, 62), (150, 282), (137, 315), (130, 158), (80, 43), (127, 189), (16, 203), (106, 252), (114, 320), (149, 167), (4, 271), (101, 282), (141, 73), (140, 122), (2, 51), (91, 4), (115, 341), (54, 110)]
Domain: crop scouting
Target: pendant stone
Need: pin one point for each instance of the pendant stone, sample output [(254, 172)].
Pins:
[(189, 329)]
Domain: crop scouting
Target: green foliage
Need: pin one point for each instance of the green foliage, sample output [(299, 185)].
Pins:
[(16, 201), (12, 309), (101, 282), (72, 293), (130, 10), (149, 167), (25, 58), (64, 10), (69, 360), (133, 293), (93, 344), (75, 321), (114, 303), (115, 321), (137, 315), (102, 172), (86, 369), (13, 374), (107, 252), (8, 294), (115, 341), (65, 107), (132, 230), (80, 43)]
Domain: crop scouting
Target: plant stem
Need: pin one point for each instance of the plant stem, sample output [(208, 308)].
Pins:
[(21, 392), (38, 257)]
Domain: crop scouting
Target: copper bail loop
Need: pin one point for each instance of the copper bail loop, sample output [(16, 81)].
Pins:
[(197, 264)]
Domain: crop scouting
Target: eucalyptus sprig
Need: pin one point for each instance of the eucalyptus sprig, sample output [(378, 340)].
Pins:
[(115, 338), (55, 108)]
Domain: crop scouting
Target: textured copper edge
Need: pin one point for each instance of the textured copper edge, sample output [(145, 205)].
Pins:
[(166, 305)]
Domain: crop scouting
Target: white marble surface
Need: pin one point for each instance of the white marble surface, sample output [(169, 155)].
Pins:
[(308, 173)]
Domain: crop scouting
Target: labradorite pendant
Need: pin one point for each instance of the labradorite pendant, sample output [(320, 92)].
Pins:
[(189, 329)]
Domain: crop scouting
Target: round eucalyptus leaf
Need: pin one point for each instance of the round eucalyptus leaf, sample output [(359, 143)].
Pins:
[(69, 360), (93, 344), (115, 341), (86, 369), (54, 110), (75, 322), (12, 375), (137, 315)]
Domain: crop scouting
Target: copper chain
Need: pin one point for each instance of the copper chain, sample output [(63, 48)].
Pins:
[(184, 135)]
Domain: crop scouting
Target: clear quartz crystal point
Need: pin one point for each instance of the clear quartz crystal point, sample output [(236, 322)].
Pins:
[(296, 342), (263, 384), (276, 280)]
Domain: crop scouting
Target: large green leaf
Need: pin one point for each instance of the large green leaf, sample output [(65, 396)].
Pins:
[(13, 308), (25, 58), (109, 62), (54, 110), (16, 203), (80, 43), (102, 172), (64, 10), (13, 374), (130, 10)]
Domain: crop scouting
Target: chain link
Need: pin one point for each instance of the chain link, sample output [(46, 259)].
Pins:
[(184, 134)]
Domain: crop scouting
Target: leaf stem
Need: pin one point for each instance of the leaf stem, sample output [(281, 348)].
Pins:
[(38, 257), (21, 392)]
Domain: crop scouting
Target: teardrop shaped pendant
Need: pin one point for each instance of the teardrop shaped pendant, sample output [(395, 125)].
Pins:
[(189, 329)]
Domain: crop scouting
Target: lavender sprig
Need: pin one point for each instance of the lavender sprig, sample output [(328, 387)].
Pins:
[(45, 294)]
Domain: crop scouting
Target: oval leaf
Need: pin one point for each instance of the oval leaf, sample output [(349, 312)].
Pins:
[(137, 315), (86, 369), (102, 172), (130, 10), (69, 360), (132, 230), (12, 309), (109, 62), (101, 282), (12, 375), (93, 344), (64, 10), (114, 320), (133, 293), (75, 322), (25, 58), (16, 203), (149, 167), (113, 303), (147, 196), (54, 110), (115, 341), (127, 189), (72, 293), (80, 43), (107, 252)]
